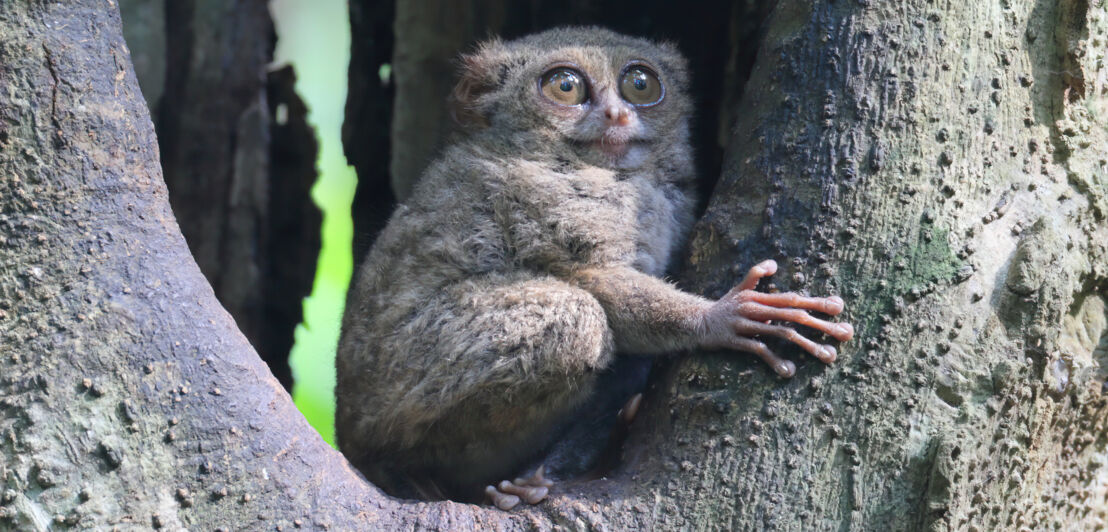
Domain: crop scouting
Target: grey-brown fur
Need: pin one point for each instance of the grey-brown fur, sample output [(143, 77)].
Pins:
[(524, 259)]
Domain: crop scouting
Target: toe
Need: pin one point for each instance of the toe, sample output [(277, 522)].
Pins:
[(504, 501), (630, 409), (529, 494)]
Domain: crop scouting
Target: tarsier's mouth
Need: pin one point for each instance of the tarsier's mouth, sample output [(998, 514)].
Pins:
[(615, 149)]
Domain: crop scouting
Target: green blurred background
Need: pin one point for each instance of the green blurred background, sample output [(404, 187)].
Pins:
[(314, 36)]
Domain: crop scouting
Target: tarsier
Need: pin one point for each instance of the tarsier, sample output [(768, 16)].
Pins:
[(529, 255)]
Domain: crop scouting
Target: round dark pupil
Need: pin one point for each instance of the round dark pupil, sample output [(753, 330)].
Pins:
[(640, 81), (566, 85)]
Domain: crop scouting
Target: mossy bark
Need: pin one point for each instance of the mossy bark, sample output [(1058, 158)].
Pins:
[(938, 165), (942, 167)]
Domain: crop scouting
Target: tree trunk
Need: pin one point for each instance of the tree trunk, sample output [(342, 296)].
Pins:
[(942, 166), (129, 398), (939, 166)]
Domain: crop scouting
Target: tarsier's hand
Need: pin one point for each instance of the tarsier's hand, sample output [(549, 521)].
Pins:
[(737, 318)]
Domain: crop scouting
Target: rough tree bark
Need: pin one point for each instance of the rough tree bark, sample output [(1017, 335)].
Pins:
[(940, 165)]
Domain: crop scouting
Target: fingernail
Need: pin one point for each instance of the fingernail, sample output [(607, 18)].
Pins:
[(786, 369), (846, 330)]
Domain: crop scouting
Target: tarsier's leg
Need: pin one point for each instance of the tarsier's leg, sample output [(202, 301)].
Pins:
[(527, 352), (533, 488), (613, 449)]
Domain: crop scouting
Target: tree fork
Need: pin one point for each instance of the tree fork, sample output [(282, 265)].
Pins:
[(924, 160), (129, 398)]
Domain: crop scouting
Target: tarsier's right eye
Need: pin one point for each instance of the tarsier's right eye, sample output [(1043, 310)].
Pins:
[(564, 86), (641, 87)]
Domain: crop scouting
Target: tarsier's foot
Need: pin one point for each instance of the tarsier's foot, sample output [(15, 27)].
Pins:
[(630, 409), (531, 490), (746, 313)]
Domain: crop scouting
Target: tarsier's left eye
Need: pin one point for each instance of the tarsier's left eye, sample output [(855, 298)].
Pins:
[(640, 86), (565, 86)]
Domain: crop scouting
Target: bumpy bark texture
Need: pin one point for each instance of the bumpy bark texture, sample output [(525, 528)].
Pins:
[(942, 166), (939, 165), (238, 155), (127, 396)]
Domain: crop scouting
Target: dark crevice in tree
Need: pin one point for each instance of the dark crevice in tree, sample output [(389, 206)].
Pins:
[(178, 52), (292, 235), (747, 28), (366, 128)]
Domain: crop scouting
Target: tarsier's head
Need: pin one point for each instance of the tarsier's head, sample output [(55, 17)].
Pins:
[(609, 99)]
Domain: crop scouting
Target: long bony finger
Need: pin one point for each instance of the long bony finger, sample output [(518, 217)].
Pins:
[(756, 273), (782, 367)]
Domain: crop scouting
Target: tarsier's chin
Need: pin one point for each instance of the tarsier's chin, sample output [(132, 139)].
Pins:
[(622, 155), (528, 256)]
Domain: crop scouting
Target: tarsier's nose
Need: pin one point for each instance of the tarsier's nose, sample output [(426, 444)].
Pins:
[(617, 115)]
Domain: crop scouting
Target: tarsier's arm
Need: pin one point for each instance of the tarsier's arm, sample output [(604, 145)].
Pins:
[(648, 315)]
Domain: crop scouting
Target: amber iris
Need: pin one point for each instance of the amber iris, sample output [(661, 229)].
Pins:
[(640, 86), (564, 86)]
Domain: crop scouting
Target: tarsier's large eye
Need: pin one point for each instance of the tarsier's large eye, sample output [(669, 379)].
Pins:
[(564, 85), (640, 86)]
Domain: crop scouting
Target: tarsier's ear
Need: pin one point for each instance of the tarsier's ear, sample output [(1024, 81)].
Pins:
[(481, 72)]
